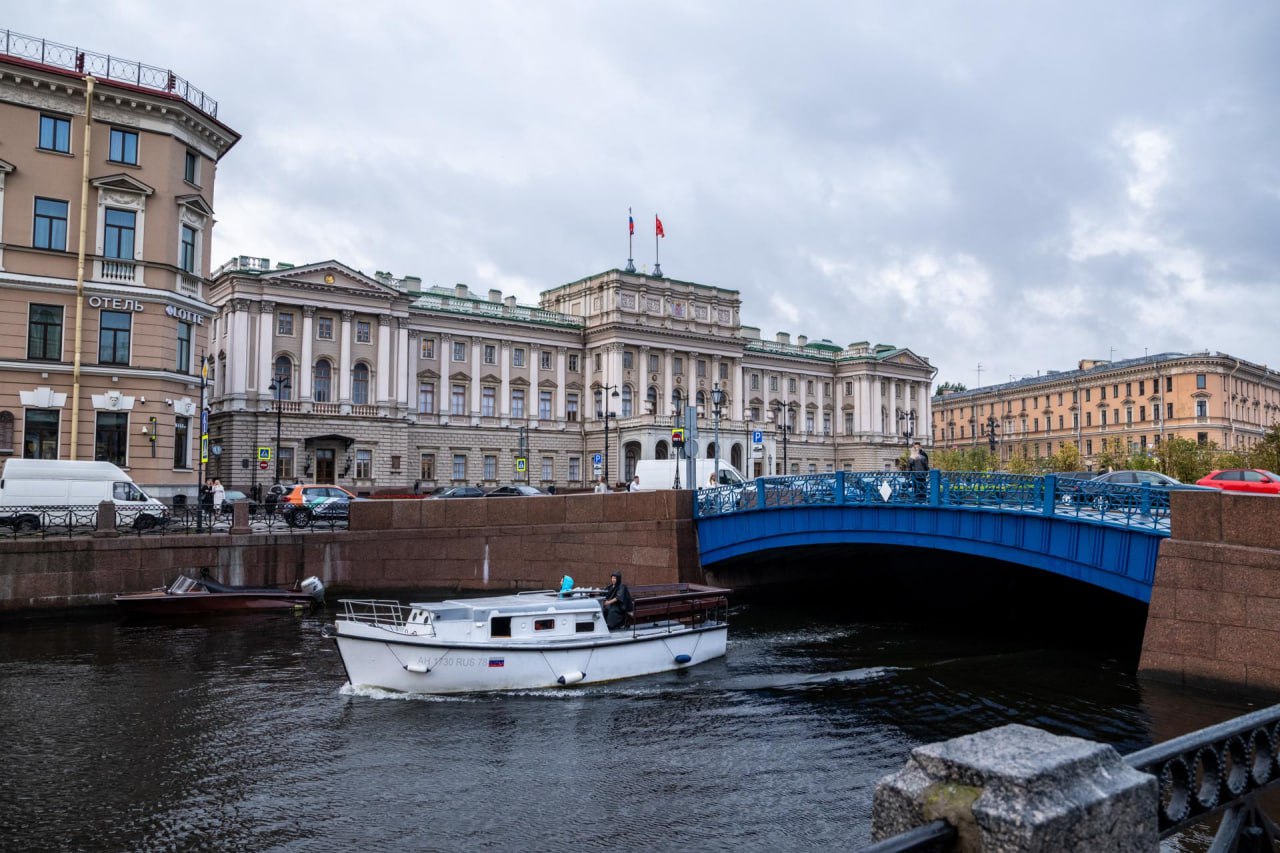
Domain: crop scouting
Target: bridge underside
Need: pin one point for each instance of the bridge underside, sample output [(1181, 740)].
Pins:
[(1115, 559)]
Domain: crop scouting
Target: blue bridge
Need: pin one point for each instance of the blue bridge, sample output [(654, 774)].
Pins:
[(1102, 534)]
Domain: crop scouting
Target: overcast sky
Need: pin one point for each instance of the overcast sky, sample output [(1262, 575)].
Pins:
[(1019, 185)]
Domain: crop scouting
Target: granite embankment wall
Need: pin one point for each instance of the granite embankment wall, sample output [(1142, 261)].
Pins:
[(391, 545), (1214, 619)]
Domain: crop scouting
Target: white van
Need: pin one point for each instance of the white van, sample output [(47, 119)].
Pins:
[(658, 474), (36, 493)]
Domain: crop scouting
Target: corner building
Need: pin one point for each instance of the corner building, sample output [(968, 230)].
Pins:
[(154, 145), (1204, 397), (379, 382)]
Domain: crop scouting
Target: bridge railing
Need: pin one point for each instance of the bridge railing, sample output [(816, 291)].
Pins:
[(1142, 507)]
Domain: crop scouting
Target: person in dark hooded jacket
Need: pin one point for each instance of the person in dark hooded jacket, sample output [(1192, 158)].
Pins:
[(617, 602)]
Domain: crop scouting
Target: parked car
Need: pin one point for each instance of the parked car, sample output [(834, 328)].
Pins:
[(1102, 499), (305, 502), (459, 492), (233, 496), (516, 491), (1252, 480)]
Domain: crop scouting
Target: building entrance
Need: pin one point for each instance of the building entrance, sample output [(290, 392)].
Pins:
[(324, 464)]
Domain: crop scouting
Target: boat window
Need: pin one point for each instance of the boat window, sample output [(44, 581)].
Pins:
[(500, 626), (586, 627), (544, 624)]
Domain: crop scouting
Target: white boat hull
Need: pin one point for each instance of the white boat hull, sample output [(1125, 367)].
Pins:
[(389, 660)]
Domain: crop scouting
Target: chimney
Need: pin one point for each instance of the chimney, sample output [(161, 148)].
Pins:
[(495, 295), (510, 302), (784, 337), (802, 339), (460, 291)]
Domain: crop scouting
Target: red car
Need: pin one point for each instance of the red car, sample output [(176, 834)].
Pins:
[(1252, 480)]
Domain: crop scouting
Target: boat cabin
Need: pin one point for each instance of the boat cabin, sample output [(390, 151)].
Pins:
[(510, 618)]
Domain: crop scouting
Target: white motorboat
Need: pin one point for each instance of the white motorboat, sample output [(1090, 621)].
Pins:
[(527, 640)]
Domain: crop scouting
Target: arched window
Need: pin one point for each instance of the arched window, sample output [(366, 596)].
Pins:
[(677, 401), (322, 387), (599, 395), (626, 401), (6, 431), (652, 399), (360, 385), (701, 401), (283, 370)]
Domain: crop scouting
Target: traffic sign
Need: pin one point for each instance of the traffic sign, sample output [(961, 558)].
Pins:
[(521, 464), (677, 436), (596, 459), (204, 449), (264, 454), (262, 465), (757, 437), (204, 420)]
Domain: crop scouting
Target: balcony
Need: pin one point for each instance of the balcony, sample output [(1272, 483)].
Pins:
[(118, 271), (189, 285)]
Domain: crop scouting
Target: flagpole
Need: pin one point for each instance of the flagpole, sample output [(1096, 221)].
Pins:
[(657, 260), (631, 233)]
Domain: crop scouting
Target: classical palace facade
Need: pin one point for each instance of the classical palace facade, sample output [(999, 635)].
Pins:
[(1205, 397), (103, 365), (376, 382)]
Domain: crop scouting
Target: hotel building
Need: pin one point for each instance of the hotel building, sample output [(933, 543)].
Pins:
[(1204, 397), (104, 365)]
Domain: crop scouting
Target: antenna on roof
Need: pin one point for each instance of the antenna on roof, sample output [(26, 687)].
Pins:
[(979, 374)]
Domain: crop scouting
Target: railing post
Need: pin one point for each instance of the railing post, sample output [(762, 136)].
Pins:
[(760, 487), (1050, 489), (106, 520), (1145, 503), (839, 488), (935, 487)]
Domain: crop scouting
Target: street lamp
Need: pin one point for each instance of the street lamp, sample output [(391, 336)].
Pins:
[(607, 414), (279, 386), (992, 426), (785, 426), (205, 361), (907, 423), (717, 404)]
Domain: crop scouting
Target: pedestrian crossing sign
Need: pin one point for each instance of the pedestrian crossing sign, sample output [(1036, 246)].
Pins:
[(264, 454), (521, 464)]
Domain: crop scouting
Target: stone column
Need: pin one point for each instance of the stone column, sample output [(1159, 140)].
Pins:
[(1017, 788), (266, 319), (476, 344), (444, 389), (384, 359), (802, 388), (344, 359), (560, 405), (925, 415), (238, 349), (404, 371), (504, 369), (820, 392), (838, 409), (535, 392), (739, 372), (668, 387), (304, 369)]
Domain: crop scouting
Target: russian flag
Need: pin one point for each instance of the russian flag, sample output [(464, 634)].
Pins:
[(631, 224), (495, 662)]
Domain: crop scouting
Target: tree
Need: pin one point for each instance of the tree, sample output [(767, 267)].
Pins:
[(1066, 459), (1114, 455), (1185, 459), (949, 388), (1266, 453)]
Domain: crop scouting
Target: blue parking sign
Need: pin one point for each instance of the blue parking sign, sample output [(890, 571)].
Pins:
[(596, 459), (757, 437)]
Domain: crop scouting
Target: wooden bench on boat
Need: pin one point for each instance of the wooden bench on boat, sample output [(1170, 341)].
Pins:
[(686, 603)]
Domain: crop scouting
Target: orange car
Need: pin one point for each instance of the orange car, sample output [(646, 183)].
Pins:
[(304, 502)]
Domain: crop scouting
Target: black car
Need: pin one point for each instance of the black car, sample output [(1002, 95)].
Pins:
[(459, 492), (516, 491)]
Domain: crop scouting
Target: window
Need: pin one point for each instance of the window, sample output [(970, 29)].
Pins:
[(490, 467), (627, 403), (123, 147), (755, 383), (364, 464), (360, 385), (364, 332), (181, 442), (517, 357), (1202, 408), (1142, 413), (724, 374), (517, 403), (627, 360), (182, 364), (548, 468), (427, 349), (1200, 381), (6, 432), (50, 227), (1087, 394), (191, 168), (490, 354), (284, 324), (427, 466), (285, 457), (324, 328), (459, 466), (791, 385), (1128, 389), (1088, 446), (44, 333), (677, 366), (1142, 387), (1104, 417), (459, 351), (575, 469), (1168, 384), (1128, 415), (117, 234), (110, 438), (808, 423), (55, 134), (1088, 419), (322, 391), (282, 374), (544, 359), (113, 337), (1169, 410), (597, 358), (458, 400), (1102, 393), (773, 383), (426, 397), (573, 362), (651, 399), (40, 434), (1115, 390), (702, 368), (488, 398), (571, 408), (544, 405), (1202, 438), (653, 363)]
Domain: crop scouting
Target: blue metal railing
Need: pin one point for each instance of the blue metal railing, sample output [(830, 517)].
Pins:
[(1141, 507)]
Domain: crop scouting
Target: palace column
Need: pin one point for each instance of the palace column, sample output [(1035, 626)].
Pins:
[(560, 412), (304, 369), (504, 369), (266, 320), (384, 359), (403, 371), (444, 393), (344, 359), (668, 388)]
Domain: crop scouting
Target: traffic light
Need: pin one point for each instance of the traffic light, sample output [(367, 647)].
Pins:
[(677, 436)]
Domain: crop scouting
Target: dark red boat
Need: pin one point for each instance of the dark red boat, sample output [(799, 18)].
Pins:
[(204, 595)]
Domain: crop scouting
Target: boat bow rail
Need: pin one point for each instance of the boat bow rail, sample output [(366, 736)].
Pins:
[(383, 613)]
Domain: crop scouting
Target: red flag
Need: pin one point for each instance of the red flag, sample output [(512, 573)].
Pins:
[(658, 224), (631, 224)]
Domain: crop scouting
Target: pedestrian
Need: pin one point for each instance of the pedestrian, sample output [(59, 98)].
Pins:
[(918, 466), (601, 486), (634, 485), (219, 495), (206, 495)]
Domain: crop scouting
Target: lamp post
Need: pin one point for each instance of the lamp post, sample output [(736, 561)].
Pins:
[(784, 425), (607, 414), (677, 421), (279, 386), (973, 432), (205, 361), (717, 405), (907, 423), (992, 426)]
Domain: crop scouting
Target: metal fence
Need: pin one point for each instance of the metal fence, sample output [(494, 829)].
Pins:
[(41, 522), (1141, 507), (105, 67)]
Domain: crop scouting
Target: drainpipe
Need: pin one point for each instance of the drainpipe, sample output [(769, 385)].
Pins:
[(1231, 424), (84, 219)]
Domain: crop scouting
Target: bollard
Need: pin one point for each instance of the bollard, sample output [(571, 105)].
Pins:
[(1017, 788), (239, 517), (106, 520)]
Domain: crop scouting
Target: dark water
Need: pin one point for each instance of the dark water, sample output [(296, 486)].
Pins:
[(236, 733)]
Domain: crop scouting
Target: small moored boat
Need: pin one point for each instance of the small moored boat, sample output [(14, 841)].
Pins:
[(527, 640), (188, 595)]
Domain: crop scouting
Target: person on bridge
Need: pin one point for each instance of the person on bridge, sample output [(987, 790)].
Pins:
[(918, 465), (601, 486), (617, 602), (634, 485)]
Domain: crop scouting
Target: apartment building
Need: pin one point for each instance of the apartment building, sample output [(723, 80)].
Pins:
[(1205, 397), (375, 381), (103, 365)]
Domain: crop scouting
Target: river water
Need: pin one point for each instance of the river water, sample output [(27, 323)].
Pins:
[(238, 733)]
